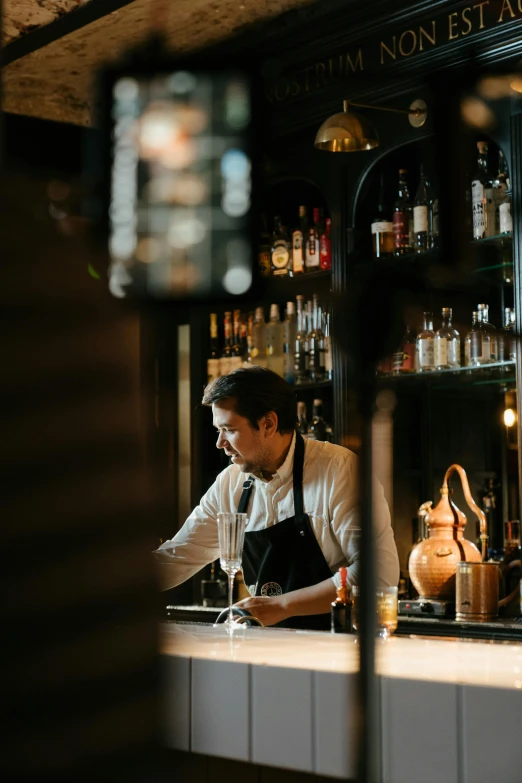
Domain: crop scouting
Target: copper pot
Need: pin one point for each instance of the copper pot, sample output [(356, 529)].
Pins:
[(477, 596), (433, 562)]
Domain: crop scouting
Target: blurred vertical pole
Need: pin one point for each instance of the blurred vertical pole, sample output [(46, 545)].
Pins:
[(1, 88), (368, 707)]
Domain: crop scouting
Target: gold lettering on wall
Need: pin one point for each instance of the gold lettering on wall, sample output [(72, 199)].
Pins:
[(480, 7), (403, 46), (467, 20), (452, 22), (358, 62), (431, 38), (320, 75), (335, 77), (506, 6), (393, 54)]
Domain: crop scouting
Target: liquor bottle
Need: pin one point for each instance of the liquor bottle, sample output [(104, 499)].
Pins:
[(321, 342), (258, 352), (289, 335), (281, 259), (500, 186), (319, 429), (328, 364), (224, 361), (403, 361), (300, 369), (214, 587), (490, 339), (402, 217), (426, 345), (473, 343), (341, 614), (478, 192), (274, 342), (264, 250), (433, 218), (420, 214), (298, 243), (506, 340), (302, 421), (308, 321), (447, 343), (249, 340), (236, 357), (325, 246), (382, 227), (213, 359), (314, 344), (505, 219), (312, 257), (243, 341)]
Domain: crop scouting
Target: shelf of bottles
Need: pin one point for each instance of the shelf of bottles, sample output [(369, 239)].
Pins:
[(486, 355), (409, 231), (297, 348), (302, 249), (437, 352)]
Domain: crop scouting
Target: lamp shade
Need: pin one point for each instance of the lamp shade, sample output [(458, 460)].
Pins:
[(347, 131)]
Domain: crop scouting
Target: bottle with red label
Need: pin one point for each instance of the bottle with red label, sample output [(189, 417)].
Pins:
[(402, 217), (325, 246), (312, 257)]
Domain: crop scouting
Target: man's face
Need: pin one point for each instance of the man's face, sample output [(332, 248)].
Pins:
[(245, 445)]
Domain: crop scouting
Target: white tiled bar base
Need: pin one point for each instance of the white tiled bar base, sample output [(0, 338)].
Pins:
[(451, 710)]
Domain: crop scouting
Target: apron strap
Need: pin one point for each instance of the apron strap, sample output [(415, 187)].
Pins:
[(298, 476), (245, 496)]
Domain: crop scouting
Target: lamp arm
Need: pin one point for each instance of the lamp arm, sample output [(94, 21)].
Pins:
[(414, 112)]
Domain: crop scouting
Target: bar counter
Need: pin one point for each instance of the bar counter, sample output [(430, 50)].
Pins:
[(451, 709)]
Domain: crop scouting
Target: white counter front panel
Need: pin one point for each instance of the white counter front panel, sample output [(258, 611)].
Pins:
[(451, 710)]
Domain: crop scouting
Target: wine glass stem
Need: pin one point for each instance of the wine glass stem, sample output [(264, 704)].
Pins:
[(230, 591)]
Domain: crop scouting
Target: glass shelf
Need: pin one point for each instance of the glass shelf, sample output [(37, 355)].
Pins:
[(316, 274), (497, 240), (495, 374), (426, 271), (312, 385)]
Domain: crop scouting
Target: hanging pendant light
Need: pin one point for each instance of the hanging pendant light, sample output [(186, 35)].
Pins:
[(350, 131)]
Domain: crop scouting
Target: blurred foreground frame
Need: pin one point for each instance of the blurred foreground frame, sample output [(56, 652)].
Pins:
[(80, 679)]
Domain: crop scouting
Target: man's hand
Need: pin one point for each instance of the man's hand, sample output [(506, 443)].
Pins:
[(268, 609)]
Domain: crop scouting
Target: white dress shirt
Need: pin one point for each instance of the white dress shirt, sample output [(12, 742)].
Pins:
[(330, 499), (330, 489)]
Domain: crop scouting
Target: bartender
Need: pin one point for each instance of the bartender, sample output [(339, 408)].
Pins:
[(300, 497)]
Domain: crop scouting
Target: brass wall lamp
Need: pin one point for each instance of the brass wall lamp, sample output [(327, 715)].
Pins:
[(349, 131)]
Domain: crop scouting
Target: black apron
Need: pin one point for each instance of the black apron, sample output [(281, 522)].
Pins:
[(286, 556)]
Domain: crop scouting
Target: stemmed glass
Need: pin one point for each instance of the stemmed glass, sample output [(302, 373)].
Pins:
[(231, 532)]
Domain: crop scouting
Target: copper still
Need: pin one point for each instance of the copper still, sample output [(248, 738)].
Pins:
[(433, 561)]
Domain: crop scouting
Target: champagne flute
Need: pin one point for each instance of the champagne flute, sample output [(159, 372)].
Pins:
[(231, 532)]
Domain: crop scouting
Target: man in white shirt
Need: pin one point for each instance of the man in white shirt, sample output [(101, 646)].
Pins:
[(301, 500)]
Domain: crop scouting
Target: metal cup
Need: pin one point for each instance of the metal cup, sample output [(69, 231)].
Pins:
[(477, 592)]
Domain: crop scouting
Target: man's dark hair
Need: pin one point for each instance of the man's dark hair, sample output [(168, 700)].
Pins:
[(256, 391)]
